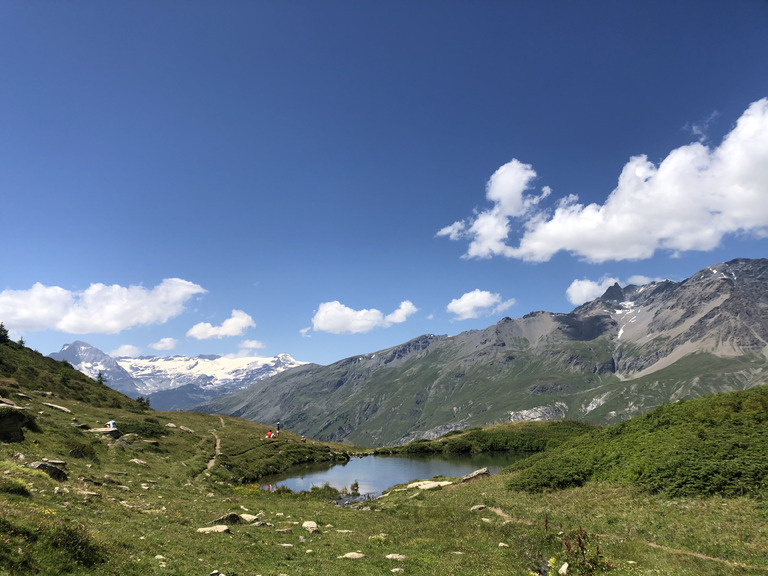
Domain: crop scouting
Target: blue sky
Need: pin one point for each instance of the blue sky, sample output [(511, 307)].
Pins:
[(333, 178)]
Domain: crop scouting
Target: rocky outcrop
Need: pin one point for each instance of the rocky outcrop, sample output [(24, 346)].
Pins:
[(53, 471), (13, 419), (482, 473)]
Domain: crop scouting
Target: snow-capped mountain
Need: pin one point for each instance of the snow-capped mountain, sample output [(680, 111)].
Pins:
[(172, 382), (90, 361)]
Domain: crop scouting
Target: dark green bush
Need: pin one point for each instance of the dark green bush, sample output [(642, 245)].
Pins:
[(81, 450), (552, 473), (325, 492), (425, 447), (148, 428), (703, 447), (457, 446)]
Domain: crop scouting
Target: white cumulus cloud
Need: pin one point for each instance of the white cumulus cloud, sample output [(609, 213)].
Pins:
[(100, 309), (488, 230), (690, 201), (235, 325), (164, 344), (581, 291), (478, 303), (126, 351), (336, 318), (246, 348), (251, 345)]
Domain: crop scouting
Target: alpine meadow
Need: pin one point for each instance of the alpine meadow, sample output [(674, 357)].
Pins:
[(344, 288), (679, 489)]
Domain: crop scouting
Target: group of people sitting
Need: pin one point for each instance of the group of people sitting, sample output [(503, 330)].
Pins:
[(274, 434)]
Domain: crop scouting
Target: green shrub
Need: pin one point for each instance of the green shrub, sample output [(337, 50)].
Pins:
[(148, 428), (324, 492), (565, 471), (424, 447), (457, 446), (81, 450), (714, 445)]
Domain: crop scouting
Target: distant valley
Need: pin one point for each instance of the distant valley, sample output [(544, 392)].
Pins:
[(608, 360)]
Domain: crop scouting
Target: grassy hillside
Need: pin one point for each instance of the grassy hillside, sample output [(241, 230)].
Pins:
[(133, 505), (522, 437), (716, 445), (28, 370)]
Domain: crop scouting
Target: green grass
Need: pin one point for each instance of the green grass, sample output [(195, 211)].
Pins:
[(132, 506), (512, 437), (709, 446)]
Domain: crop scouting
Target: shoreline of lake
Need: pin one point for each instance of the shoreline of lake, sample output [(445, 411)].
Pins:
[(374, 474)]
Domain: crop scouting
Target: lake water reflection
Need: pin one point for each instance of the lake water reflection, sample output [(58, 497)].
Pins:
[(375, 474)]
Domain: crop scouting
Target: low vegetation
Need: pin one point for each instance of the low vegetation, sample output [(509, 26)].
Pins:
[(678, 491), (517, 437), (717, 445)]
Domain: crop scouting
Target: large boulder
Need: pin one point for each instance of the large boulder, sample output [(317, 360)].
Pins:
[(483, 472), (53, 471), (12, 420)]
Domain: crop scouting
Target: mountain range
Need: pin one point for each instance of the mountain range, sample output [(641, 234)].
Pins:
[(173, 382), (608, 360)]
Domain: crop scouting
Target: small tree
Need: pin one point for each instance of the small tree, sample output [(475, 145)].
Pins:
[(101, 378), (4, 338), (143, 402)]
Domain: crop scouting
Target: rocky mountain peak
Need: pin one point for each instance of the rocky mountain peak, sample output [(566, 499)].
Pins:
[(614, 293), (609, 359)]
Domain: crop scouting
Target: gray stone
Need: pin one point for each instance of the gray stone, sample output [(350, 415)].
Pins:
[(476, 474), (57, 407), (53, 471), (230, 518)]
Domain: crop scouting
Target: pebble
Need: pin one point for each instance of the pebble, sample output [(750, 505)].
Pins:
[(353, 555)]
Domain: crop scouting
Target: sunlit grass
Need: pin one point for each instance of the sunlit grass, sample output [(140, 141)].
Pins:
[(133, 506)]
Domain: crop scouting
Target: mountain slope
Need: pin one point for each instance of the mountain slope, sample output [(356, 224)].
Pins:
[(77, 500), (608, 360), (92, 361)]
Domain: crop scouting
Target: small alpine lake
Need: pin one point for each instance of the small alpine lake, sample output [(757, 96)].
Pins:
[(375, 474)]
